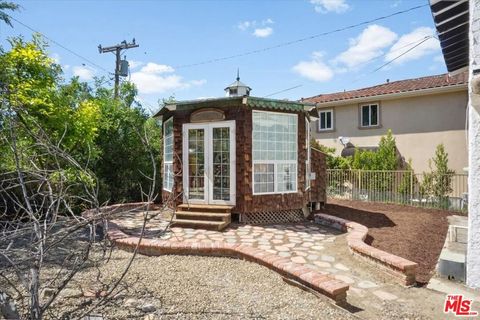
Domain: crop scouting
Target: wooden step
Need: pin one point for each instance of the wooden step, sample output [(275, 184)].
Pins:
[(204, 208), (200, 224), (213, 216)]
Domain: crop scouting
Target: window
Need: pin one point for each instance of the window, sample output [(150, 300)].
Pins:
[(307, 162), (274, 149), (168, 155), (369, 115), (326, 120)]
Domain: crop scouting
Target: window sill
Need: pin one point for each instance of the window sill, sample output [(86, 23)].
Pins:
[(326, 131), (369, 127), (273, 193)]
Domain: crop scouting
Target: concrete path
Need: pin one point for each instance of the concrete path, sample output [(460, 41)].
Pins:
[(372, 294)]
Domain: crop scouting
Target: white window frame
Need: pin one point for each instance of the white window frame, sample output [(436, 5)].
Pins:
[(369, 105), (320, 119), (308, 160), (169, 162), (275, 163)]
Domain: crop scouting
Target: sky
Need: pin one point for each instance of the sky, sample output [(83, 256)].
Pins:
[(183, 44)]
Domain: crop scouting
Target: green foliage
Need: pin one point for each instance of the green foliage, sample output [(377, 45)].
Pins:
[(6, 5), (116, 139), (438, 182), (333, 161), (385, 158)]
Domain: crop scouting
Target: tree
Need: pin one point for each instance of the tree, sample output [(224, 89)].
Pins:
[(5, 5), (438, 183)]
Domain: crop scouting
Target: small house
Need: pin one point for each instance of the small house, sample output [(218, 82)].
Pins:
[(239, 157)]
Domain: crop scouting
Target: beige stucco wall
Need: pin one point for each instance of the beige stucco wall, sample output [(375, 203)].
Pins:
[(418, 123)]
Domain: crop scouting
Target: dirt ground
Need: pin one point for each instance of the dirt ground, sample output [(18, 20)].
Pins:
[(416, 234)]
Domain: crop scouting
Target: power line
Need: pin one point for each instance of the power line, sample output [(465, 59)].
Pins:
[(60, 45), (284, 90), (420, 42), (289, 43)]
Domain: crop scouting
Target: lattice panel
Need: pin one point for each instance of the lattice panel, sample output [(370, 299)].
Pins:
[(268, 217)]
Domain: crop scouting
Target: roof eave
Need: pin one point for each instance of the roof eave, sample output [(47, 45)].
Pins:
[(396, 95)]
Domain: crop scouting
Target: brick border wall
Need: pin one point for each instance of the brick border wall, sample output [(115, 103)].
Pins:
[(401, 270), (324, 284)]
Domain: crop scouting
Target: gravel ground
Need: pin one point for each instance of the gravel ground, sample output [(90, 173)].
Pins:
[(189, 287)]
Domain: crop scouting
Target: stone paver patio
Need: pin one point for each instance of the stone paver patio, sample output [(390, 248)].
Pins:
[(321, 248)]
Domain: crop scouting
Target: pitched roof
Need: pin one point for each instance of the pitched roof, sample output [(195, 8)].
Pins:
[(402, 86)]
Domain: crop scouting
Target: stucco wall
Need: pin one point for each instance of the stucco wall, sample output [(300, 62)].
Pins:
[(473, 250), (419, 124)]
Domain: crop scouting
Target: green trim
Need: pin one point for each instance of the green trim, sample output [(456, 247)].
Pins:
[(251, 102)]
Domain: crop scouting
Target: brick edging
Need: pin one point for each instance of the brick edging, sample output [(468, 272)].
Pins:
[(402, 270), (324, 284)]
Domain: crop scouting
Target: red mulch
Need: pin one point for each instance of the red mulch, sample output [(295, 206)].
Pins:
[(416, 234)]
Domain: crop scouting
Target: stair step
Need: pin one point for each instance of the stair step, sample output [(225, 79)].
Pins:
[(202, 224), (203, 215), (204, 208)]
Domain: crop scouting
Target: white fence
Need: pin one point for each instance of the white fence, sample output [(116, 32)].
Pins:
[(448, 192)]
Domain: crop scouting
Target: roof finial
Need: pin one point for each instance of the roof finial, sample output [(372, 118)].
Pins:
[(238, 74)]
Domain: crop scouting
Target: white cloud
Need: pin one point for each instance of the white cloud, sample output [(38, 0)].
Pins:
[(244, 25), (263, 32), (325, 6), (314, 69), (154, 68), (366, 46), (83, 72), (135, 64), (152, 78), (408, 41), (261, 29)]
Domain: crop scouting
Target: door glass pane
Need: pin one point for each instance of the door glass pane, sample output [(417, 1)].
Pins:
[(196, 164), (221, 164)]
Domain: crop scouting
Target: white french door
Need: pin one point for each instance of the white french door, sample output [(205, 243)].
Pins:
[(209, 162)]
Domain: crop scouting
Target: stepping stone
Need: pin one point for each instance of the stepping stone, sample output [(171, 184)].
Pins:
[(307, 244), (290, 245), (231, 240), (272, 251), (345, 279), (365, 284), (298, 260), (284, 254), (281, 248), (322, 264), (312, 257), (327, 258), (300, 253), (264, 247), (278, 237), (276, 241), (357, 291), (317, 248), (342, 267), (385, 296)]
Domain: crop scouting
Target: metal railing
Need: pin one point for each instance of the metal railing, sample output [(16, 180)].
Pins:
[(447, 192)]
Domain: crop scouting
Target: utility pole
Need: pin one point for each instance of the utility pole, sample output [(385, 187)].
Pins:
[(117, 49)]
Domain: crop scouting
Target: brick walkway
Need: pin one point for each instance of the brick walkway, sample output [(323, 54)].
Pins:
[(320, 248)]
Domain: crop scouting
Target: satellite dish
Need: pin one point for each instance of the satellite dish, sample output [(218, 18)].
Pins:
[(344, 140)]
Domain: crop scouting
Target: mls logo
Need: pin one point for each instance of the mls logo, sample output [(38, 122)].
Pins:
[(459, 306)]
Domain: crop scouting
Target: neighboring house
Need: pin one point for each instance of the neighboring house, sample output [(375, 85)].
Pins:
[(421, 113), (239, 155)]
